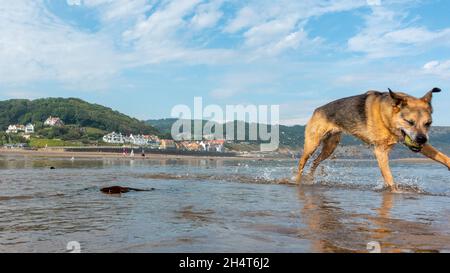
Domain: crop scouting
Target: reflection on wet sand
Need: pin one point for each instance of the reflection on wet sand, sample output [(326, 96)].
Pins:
[(188, 213), (333, 228), (325, 222), (400, 235), (381, 230)]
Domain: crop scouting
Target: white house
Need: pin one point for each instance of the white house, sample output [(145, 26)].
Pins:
[(11, 129), (15, 128), (29, 128), (143, 140), (53, 121), (116, 138)]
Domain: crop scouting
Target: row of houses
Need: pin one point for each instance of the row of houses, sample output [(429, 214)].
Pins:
[(29, 128), (119, 138), (17, 128), (204, 145), (155, 142)]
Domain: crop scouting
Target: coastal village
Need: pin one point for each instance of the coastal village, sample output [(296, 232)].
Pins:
[(153, 141), (119, 139)]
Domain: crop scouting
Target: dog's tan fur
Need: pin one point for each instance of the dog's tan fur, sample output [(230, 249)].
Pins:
[(379, 119)]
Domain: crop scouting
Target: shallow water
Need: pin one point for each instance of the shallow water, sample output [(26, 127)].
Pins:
[(202, 205)]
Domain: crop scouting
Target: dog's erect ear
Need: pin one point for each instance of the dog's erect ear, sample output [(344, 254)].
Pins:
[(398, 100), (428, 96)]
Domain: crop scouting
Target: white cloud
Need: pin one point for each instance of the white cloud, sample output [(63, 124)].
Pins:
[(259, 12), (114, 10), (74, 2), (274, 37), (438, 68), (207, 15), (245, 18), (222, 93), (292, 40), (205, 20), (300, 111), (388, 34), (270, 29), (431, 65), (374, 2), (244, 82), (163, 23), (22, 94), (164, 36), (37, 46)]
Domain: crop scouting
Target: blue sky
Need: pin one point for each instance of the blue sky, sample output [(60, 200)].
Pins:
[(142, 57)]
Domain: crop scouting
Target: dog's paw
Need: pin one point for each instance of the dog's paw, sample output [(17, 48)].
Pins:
[(394, 189), (387, 188), (296, 179), (308, 179)]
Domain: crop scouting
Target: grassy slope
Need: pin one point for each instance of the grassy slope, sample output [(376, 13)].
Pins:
[(71, 111)]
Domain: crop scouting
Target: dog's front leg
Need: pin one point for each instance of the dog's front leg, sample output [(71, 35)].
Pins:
[(431, 152), (382, 155)]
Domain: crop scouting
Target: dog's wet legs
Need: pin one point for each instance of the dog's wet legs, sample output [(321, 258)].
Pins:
[(311, 146), (382, 155), (301, 165), (329, 145)]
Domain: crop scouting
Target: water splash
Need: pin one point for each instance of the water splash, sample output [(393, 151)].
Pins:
[(404, 186)]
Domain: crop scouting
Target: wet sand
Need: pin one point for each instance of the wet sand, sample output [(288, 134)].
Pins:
[(60, 153), (222, 205)]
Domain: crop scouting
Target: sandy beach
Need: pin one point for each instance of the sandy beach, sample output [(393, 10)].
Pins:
[(60, 153), (55, 153)]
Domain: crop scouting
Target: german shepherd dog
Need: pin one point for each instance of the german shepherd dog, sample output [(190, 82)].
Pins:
[(380, 119)]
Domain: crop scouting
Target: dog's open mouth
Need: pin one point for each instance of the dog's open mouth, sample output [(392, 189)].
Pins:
[(411, 144)]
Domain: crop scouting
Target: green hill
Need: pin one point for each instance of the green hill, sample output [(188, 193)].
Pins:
[(72, 111)]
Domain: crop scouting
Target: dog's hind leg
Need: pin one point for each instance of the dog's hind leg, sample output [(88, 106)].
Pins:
[(330, 143), (315, 131)]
